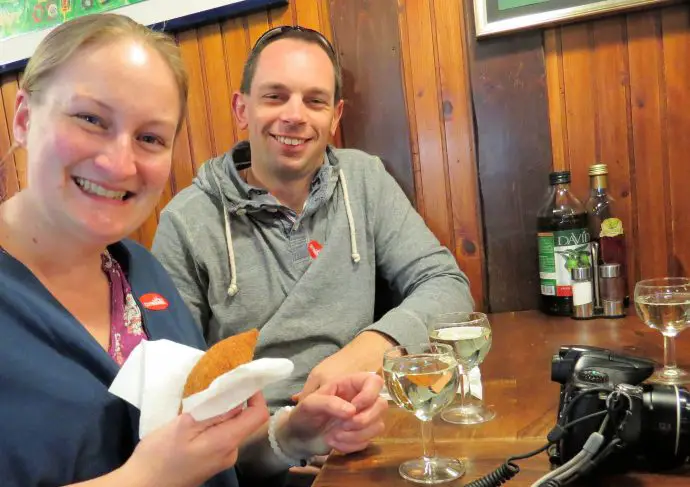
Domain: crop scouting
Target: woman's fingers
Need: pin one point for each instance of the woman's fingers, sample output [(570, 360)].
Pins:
[(365, 418), (355, 437)]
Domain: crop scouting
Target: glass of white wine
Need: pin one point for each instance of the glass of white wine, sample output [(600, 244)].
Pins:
[(664, 304), (469, 333), (423, 379)]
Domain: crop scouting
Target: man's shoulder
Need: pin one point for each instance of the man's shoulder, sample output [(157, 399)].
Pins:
[(188, 202), (360, 166), (355, 158)]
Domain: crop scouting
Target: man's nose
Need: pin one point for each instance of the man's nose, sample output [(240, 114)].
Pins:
[(294, 111)]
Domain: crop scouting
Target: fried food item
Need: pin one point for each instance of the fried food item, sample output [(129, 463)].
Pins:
[(222, 357)]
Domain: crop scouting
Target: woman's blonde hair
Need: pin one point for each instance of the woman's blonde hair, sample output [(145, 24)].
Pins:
[(69, 38), (66, 40)]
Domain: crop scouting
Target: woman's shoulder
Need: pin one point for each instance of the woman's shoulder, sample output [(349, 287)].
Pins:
[(162, 307)]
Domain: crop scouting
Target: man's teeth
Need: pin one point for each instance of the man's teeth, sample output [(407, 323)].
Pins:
[(289, 140), (93, 188)]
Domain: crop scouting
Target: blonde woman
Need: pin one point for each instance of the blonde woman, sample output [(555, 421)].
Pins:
[(98, 110)]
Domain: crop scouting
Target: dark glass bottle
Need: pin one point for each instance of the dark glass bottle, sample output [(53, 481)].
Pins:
[(603, 226), (563, 241)]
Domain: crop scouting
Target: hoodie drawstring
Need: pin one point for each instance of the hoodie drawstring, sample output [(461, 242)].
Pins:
[(232, 289), (350, 220)]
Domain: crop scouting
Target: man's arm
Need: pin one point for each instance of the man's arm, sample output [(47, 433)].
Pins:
[(414, 263), (173, 248)]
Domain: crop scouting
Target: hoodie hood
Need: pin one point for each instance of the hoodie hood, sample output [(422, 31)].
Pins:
[(220, 179)]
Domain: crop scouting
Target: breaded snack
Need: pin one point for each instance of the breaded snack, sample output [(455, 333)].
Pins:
[(222, 357)]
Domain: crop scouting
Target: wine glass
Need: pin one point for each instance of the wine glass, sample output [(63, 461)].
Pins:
[(469, 333), (664, 304), (423, 379)]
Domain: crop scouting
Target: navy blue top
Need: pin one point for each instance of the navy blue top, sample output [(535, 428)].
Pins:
[(58, 422)]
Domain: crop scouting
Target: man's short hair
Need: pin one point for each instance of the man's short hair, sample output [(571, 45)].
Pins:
[(291, 32)]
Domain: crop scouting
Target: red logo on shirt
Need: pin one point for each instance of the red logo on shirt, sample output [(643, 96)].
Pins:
[(314, 248), (154, 302)]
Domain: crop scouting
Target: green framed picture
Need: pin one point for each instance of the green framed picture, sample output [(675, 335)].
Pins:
[(24, 23), (493, 17)]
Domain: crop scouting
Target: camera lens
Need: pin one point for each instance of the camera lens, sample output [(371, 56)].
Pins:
[(666, 426)]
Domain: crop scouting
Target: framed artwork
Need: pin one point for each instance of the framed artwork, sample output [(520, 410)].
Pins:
[(494, 17), (24, 23)]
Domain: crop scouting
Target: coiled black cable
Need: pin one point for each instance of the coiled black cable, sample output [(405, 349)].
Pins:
[(506, 471), (509, 469), (498, 477)]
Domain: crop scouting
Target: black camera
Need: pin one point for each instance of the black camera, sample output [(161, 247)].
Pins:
[(646, 426)]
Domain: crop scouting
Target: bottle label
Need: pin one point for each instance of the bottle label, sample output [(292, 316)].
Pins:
[(559, 252), (611, 227)]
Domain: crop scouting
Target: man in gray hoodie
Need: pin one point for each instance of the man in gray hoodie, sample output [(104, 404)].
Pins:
[(288, 234)]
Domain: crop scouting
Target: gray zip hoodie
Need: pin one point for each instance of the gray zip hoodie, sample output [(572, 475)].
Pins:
[(240, 259)]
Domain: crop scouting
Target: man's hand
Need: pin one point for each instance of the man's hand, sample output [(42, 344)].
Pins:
[(363, 354), (345, 414)]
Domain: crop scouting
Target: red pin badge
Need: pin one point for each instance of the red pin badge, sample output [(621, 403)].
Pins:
[(314, 248), (154, 302)]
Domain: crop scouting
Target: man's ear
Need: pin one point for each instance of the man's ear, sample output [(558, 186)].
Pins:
[(22, 119), (336, 116), (239, 109)]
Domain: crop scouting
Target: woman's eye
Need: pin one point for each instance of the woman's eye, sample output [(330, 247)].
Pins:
[(91, 119), (152, 139)]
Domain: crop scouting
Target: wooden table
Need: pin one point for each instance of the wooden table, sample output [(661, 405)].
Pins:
[(517, 384)]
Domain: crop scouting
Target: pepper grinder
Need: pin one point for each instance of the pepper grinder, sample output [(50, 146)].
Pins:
[(595, 280), (612, 290)]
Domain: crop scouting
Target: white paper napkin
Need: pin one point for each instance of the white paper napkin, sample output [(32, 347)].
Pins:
[(153, 377), (475, 383)]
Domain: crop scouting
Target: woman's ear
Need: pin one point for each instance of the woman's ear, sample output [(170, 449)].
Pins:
[(22, 119)]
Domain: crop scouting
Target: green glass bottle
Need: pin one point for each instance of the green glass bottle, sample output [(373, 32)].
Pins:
[(563, 242)]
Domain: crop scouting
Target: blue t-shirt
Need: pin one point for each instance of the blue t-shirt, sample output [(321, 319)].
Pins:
[(58, 422)]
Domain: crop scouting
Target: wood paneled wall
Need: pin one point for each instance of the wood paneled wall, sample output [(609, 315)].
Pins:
[(619, 93), (434, 56)]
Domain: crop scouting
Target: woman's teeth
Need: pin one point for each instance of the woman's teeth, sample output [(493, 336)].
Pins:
[(92, 188)]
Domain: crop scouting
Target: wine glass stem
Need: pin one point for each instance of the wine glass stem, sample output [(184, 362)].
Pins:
[(669, 352), (465, 396), (428, 444)]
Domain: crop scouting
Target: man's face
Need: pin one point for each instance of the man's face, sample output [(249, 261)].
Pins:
[(290, 111)]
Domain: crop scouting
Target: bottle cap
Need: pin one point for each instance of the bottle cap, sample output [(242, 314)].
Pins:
[(559, 177), (609, 270), (581, 273), (598, 170)]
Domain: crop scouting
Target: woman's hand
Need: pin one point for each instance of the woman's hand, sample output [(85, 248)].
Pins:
[(186, 453), (343, 414)]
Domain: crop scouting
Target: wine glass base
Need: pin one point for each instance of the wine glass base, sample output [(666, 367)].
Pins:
[(431, 471), (670, 376), (468, 415)]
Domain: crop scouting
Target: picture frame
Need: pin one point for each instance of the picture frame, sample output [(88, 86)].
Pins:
[(166, 15), (495, 17)]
